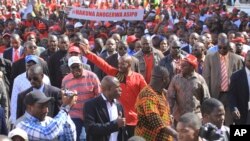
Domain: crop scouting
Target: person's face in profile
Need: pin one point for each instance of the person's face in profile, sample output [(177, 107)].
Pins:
[(186, 133)]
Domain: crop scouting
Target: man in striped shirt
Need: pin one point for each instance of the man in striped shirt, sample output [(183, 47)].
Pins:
[(86, 84)]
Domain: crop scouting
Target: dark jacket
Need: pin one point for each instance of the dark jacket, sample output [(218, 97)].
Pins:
[(97, 123), (3, 126), (239, 95), (49, 91)]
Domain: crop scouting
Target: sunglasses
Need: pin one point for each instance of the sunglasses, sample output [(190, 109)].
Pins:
[(176, 47), (33, 78), (32, 47)]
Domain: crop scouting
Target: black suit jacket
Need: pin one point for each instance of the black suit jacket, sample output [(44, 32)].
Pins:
[(7, 54), (19, 67), (49, 91), (239, 94), (97, 123), (113, 61)]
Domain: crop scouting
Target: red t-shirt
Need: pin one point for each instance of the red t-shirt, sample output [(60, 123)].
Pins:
[(149, 62)]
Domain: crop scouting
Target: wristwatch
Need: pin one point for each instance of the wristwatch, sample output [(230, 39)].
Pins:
[(66, 108)]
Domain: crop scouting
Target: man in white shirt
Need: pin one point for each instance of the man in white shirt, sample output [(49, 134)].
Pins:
[(22, 83), (104, 118)]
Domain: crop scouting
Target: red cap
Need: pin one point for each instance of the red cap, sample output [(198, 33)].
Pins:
[(131, 39), (238, 40), (55, 28), (74, 49), (41, 26), (6, 35), (26, 35), (191, 59)]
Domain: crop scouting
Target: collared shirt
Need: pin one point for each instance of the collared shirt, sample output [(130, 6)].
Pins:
[(186, 94), (113, 115), (59, 128), (87, 87), (21, 83), (13, 53), (40, 89), (212, 49)]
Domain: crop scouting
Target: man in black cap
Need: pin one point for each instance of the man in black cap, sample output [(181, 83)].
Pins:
[(35, 76), (41, 127)]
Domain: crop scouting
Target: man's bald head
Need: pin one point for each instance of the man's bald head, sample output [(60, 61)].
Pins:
[(111, 87), (15, 36), (108, 81)]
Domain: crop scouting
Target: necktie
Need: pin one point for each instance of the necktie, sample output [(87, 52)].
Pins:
[(16, 55), (224, 77)]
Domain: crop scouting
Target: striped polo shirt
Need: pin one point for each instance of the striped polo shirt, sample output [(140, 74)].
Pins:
[(87, 87)]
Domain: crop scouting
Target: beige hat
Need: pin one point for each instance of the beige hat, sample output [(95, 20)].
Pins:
[(18, 132)]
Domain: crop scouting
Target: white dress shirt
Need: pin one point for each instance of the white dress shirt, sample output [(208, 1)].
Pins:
[(113, 115), (21, 83)]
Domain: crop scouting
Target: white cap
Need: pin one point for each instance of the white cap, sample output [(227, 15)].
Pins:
[(18, 132), (74, 60), (13, 12), (78, 24)]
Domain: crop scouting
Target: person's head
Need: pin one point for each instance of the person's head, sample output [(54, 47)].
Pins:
[(223, 46), (110, 45), (6, 39), (130, 30), (31, 37), (188, 127), (99, 43), (35, 76), (131, 41), (146, 43), (75, 65), (124, 64), (175, 48), (209, 38), (116, 37), (172, 38), (63, 43), (232, 47), (122, 48), (31, 60), (247, 60), (164, 45), (188, 65), (156, 41), (30, 48), (198, 50), (138, 46), (203, 39), (78, 37), (159, 78), (213, 111), (15, 41), (18, 134), (193, 38), (37, 104), (139, 32), (111, 87), (52, 43), (74, 51), (11, 25)]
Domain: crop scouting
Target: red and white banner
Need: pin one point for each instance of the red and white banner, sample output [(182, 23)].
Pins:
[(105, 15)]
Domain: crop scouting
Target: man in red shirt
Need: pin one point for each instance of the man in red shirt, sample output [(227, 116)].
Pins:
[(131, 83)]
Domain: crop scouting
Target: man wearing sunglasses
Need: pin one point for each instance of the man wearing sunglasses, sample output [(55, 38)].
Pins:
[(218, 68), (35, 76), (21, 83)]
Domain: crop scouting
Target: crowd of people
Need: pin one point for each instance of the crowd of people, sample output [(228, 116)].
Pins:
[(183, 69)]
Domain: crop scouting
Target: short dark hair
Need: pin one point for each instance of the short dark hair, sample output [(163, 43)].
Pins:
[(209, 105), (192, 120)]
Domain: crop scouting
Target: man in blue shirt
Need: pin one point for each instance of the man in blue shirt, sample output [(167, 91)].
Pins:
[(41, 127)]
